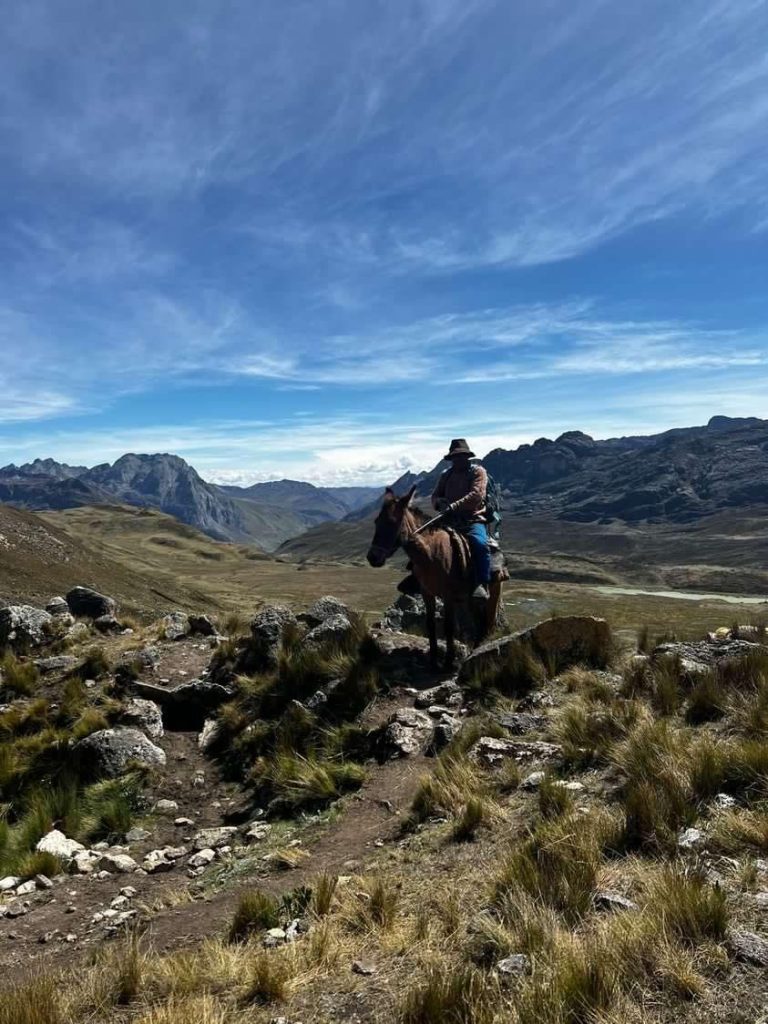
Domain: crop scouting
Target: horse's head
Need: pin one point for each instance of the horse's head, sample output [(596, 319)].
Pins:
[(388, 527)]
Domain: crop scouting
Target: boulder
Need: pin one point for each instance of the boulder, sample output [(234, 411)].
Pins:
[(408, 613), (690, 839), (107, 624), (143, 658), (188, 705), (90, 603), (144, 715), (202, 625), (117, 863), (403, 657), (558, 642), (492, 752), (9, 882), (109, 752), (57, 844), (445, 729), (267, 631), (333, 630), (202, 858), (444, 693), (57, 607), (23, 627), (324, 608), (405, 733), (166, 807), (175, 625), (212, 838)]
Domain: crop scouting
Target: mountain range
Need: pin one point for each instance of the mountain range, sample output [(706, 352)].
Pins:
[(677, 477), (265, 514)]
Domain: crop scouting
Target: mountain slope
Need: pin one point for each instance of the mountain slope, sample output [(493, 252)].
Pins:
[(310, 504)]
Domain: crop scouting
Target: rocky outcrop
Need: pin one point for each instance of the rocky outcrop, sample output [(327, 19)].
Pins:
[(187, 706), (698, 658), (23, 627), (324, 608), (492, 752), (175, 625), (90, 603), (558, 642), (402, 657), (333, 630), (57, 844), (108, 753), (267, 631)]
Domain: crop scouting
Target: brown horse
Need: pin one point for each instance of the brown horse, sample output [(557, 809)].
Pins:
[(441, 564)]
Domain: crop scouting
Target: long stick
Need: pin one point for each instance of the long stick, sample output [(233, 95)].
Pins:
[(431, 521)]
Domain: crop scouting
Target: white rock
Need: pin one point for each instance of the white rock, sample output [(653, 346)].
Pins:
[(84, 862), (56, 843), (724, 801), (690, 839), (518, 963), (213, 837), (183, 822), (128, 891), (166, 807), (258, 832), (533, 781), (201, 859), (8, 883), (120, 863), (26, 888), (119, 903)]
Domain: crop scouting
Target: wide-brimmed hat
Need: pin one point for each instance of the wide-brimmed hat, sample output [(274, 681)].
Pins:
[(459, 447)]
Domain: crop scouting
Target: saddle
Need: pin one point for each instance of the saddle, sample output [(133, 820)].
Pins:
[(463, 555)]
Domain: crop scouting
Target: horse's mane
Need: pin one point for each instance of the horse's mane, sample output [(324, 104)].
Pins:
[(423, 517)]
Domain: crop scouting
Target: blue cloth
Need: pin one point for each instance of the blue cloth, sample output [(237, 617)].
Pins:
[(477, 535)]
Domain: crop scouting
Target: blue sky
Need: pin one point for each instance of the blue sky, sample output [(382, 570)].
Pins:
[(319, 238)]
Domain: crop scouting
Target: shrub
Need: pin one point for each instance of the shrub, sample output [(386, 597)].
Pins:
[(255, 912), (36, 1002), (19, 677), (38, 863)]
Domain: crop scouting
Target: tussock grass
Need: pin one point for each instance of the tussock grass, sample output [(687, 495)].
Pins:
[(306, 781), (588, 731), (270, 975), (323, 894), (373, 905), (459, 996), (687, 907), (587, 684), (476, 813), (18, 677), (34, 1003), (454, 783), (553, 798), (559, 863), (514, 675), (735, 829), (256, 911)]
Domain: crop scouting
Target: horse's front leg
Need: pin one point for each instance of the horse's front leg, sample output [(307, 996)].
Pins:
[(449, 617), (429, 603), (492, 609)]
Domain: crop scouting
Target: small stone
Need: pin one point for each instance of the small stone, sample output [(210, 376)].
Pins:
[(761, 899), (724, 801), (17, 910), (258, 832), (128, 891), (569, 787), (201, 859), (48, 937), (119, 903), (137, 835), (183, 822), (120, 863), (606, 900), (43, 882), (690, 839), (8, 883), (213, 837), (70, 909), (274, 937), (166, 807), (70, 937), (26, 888), (360, 967), (533, 781), (514, 965)]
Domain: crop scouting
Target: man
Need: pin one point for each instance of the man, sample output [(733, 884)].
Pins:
[(461, 491)]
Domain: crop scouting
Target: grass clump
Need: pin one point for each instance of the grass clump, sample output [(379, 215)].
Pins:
[(688, 908), (301, 782), (474, 815), (18, 677), (553, 798), (256, 911), (516, 673), (269, 978), (448, 996), (34, 1003)]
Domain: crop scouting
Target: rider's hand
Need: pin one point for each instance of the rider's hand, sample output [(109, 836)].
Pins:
[(441, 504)]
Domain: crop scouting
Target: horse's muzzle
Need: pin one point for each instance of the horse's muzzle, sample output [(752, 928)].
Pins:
[(376, 557)]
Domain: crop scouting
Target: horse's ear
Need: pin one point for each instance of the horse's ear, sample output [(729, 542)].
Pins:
[(405, 501), (389, 492)]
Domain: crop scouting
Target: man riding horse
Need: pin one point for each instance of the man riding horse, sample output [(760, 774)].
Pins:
[(445, 565), (460, 493)]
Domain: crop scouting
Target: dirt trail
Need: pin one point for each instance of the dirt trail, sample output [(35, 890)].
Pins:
[(368, 820)]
